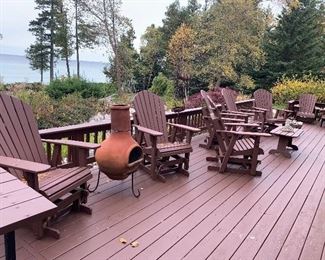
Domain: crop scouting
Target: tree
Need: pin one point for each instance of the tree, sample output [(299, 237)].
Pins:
[(229, 41), (85, 32), (39, 56), (180, 55), (151, 57), (44, 25), (39, 52), (127, 65), (296, 45), (63, 36), (110, 26)]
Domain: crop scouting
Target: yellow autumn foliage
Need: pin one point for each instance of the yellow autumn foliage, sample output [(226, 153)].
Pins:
[(290, 89)]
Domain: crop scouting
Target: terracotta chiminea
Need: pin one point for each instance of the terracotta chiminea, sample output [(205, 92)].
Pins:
[(119, 154)]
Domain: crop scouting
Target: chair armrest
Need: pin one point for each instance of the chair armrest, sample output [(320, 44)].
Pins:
[(27, 166), (79, 144), (252, 112), (260, 108), (148, 131), (242, 124), (186, 127), (245, 133), (233, 119), (284, 110)]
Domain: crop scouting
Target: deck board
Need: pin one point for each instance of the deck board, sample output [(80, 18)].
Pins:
[(207, 215)]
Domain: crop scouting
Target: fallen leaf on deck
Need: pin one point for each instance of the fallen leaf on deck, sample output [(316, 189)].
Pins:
[(123, 240), (135, 244)]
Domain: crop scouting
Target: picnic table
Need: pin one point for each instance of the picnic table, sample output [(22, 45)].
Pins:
[(19, 205), (285, 140)]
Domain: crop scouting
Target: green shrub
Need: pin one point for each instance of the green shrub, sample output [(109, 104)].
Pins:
[(61, 87), (42, 105), (290, 89), (164, 87), (70, 109)]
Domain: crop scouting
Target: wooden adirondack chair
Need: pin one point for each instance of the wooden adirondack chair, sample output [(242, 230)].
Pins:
[(263, 101), (162, 154), (306, 108), (231, 121), (234, 147), (230, 100), (22, 154)]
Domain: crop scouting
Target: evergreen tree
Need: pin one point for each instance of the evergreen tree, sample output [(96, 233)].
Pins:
[(63, 36), (296, 46), (39, 53), (43, 28)]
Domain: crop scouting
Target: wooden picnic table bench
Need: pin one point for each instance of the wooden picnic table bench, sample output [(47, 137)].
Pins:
[(19, 205), (285, 140)]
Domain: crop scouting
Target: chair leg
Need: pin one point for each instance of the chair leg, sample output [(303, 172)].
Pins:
[(254, 158), (187, 161)]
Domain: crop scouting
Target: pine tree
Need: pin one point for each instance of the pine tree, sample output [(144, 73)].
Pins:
[(296, 46), (43, 28), (39, 52), (63, 35)]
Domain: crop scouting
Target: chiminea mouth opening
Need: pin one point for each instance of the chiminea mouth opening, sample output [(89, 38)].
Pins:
[(135, 154)]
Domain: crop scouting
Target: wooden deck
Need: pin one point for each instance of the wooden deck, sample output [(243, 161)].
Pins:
[(208, 215)]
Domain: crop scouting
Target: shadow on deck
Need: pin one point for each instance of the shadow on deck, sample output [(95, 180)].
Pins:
[(207, 215)]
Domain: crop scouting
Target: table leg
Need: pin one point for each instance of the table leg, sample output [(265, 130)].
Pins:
[(294, 147), (282, 146), (10, 247)]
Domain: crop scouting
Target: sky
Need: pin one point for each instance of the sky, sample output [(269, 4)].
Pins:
[(15, 16)]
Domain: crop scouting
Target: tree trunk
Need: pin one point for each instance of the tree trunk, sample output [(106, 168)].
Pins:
[(77, 39), (68, 65), (52, 42), (41, 76)]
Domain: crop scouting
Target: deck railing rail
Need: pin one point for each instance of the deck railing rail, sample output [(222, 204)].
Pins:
[(96, 131)]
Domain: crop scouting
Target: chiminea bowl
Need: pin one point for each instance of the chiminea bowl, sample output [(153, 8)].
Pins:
[(119, 154)]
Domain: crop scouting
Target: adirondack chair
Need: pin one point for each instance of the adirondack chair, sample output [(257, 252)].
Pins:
[(161, 154), (231, 121), (263, 101), (306, 108), (22, 154), (234, 147), (230, 100)]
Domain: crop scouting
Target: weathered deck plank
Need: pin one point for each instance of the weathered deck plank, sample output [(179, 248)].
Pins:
[(208, 215)]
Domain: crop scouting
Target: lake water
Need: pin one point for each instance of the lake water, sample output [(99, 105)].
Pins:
[(15, 68)]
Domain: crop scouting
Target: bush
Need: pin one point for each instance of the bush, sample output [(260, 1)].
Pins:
[(291, 89), (69, 110), (61, 87), (164, 87), (196, 100)]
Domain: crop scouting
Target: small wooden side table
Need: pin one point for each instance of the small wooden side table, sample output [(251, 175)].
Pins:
[(285, 140)]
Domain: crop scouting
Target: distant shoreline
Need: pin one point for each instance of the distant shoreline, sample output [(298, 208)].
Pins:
[(16, 69)]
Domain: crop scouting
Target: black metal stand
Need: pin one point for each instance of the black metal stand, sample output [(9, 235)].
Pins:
[(10, 247), (137, 195)]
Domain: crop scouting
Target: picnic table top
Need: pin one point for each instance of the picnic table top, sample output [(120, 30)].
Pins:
[(20, 204), (278, 131)]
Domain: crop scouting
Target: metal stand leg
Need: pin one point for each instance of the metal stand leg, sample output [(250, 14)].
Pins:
[(10, 247), (137, 195)]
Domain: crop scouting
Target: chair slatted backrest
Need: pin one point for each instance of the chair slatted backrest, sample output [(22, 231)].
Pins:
[(223, 139), (230, 97), (150, 113), (19, 137), (307, 103), (263, 99)]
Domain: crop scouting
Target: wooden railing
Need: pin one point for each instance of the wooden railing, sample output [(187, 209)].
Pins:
[(96, 131)]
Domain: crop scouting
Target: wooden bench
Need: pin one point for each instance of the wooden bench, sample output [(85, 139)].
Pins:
[(19, 206)]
